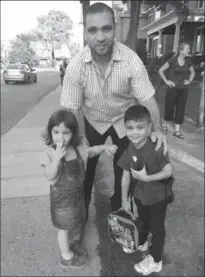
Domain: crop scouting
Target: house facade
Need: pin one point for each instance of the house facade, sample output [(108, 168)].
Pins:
[(43, 52), (122, 18), (165, 30)]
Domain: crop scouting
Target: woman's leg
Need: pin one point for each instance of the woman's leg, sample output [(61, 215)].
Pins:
[(170, 101), (181, 100)]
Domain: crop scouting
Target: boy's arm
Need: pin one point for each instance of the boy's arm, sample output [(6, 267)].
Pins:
[(165, 173), (125, 185)]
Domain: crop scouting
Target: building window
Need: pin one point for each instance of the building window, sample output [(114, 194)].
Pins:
[(157, 14), (154, 47), (200, 4), (199, 41)]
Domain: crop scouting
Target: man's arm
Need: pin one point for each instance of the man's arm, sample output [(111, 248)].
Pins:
[(152, 106), (144, 92), (72, 93)]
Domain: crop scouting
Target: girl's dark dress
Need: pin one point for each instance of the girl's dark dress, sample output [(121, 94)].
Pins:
[(67, 197)]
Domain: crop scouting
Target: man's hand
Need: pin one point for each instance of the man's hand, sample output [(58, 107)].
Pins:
[(111, 149), (161, 140), (140, 175)]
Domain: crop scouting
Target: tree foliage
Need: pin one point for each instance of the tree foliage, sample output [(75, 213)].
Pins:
[(55, 26), (21, 50)]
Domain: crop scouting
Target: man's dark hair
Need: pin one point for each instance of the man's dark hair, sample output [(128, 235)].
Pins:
[(99, 8), (137, 113)]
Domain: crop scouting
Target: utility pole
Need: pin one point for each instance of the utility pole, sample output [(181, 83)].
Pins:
[(85, 5)]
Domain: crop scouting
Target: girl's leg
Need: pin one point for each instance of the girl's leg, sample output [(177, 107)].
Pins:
[(64, 245), (68, 258)]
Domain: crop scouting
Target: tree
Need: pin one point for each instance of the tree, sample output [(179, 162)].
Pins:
[(21, 50), (32, 35), (180, 5), (85, 5), (55, 26)]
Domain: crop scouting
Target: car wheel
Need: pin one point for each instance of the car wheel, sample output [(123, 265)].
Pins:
[(6, 82), (35, 79)]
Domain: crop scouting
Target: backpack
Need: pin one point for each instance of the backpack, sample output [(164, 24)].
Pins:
[(124, 229)]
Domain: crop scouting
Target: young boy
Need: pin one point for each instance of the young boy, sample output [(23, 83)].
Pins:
[(145, 172)]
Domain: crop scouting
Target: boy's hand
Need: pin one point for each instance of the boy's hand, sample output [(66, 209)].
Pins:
[(111, 149), (126, 205), (60, 152), (140, 175)]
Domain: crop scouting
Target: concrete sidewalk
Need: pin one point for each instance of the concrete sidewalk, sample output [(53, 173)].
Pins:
[(29, 246)]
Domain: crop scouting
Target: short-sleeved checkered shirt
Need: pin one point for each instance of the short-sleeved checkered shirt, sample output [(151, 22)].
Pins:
[(104, 100)]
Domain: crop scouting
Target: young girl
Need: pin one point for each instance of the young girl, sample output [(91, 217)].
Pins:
[(64, 165)]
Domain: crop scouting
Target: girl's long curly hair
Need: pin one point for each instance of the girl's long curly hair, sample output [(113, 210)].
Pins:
[(70, 121)]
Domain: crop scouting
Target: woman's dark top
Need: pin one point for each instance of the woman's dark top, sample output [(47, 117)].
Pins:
[(177, 73)]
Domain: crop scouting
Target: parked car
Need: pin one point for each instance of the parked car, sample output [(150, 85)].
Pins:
[(19, 73)]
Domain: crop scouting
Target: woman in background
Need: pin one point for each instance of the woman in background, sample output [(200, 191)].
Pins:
[(181, 75)]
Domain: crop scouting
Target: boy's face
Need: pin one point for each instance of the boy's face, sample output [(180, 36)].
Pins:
[(137, 131)]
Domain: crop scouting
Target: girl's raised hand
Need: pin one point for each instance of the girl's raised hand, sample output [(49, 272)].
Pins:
[(60, 151)]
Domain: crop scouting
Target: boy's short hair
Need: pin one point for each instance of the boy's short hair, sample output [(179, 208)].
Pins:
[(137, 113)]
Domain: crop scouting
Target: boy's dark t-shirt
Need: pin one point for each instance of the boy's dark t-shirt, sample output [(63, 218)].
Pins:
[(148, 193), (177, 73)]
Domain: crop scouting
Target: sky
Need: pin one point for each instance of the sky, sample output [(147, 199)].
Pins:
[(21, 16)]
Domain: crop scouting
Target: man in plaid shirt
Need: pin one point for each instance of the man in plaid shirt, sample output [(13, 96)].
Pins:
[(101, 82)]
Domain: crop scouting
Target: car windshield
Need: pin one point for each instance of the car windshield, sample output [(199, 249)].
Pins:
[(16, 66)]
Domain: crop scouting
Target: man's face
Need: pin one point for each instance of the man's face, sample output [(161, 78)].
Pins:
[(100, 32)]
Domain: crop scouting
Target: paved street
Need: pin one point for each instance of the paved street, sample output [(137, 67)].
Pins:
[(29, 246), (18, 99)]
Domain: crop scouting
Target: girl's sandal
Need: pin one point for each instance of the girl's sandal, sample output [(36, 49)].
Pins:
[(178, 135), (164, 130)]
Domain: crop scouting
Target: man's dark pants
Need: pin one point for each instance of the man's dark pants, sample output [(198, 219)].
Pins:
[(95, 138)]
